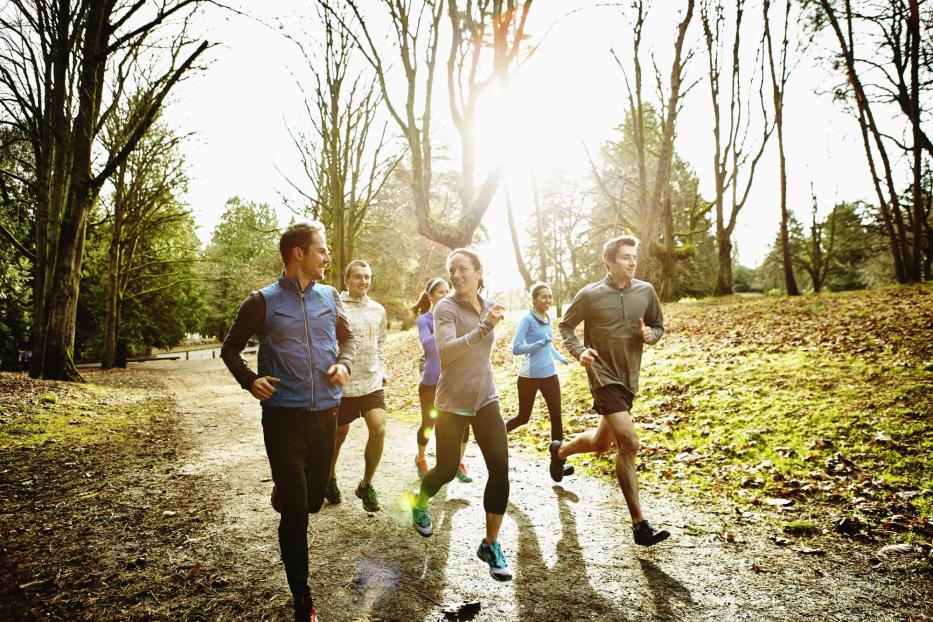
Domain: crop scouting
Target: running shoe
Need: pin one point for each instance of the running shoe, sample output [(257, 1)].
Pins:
[(419, 516), (275, 499), (368, 494), (422, 466), (646, 535), (462, 474), (492, 555), (556, 467), (332, 493)]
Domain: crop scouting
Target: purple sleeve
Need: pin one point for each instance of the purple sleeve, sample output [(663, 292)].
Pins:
[(426, 332)]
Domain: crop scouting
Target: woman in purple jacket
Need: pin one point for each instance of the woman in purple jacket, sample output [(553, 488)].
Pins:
[(435, 290)]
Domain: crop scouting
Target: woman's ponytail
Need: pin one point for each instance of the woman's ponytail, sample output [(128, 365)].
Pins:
[(422, 306)]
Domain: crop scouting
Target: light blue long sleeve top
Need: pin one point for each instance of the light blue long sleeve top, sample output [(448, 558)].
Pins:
[(534, 339)]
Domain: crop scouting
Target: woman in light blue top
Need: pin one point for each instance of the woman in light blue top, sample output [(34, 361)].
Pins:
[(534, 339)]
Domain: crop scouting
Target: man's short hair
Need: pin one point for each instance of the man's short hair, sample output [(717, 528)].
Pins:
[(356, 263), (611, 248), (300, 235)]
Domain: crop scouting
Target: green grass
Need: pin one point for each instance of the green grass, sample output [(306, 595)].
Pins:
[(739, 409), (801, 528), (72, 414), (823, 401)]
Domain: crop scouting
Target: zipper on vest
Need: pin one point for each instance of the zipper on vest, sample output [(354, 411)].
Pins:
[(304, 314)]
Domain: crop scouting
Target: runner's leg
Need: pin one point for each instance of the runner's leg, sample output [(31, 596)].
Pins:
[(376, 424), (426, 394), (490, 434), (317, 468), (591, 441), (340, 436), (527, 390), (550, 390), (285, 439), (627, 443), (448, 432)]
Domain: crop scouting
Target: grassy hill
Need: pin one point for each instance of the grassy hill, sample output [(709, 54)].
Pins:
[(814, 411)]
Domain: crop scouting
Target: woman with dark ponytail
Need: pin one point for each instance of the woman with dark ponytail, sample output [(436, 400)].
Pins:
[(435, 290)]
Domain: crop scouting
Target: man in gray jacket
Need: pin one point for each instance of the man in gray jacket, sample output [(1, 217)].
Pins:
[(620, 314)]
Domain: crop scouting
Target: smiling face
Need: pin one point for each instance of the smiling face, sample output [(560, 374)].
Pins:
[(464, 275), (359, 280), (440, 290), (622, 267), (542, 300), (313, 260)]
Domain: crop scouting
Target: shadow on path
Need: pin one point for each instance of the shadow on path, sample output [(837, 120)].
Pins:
[(669, 596), (563, 592), (397, 574)]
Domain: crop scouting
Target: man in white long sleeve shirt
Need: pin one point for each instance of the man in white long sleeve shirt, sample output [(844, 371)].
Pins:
[(363, 396)]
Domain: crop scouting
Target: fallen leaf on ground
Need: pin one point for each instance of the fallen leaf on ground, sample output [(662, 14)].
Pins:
[(808, 551), (896, 548)]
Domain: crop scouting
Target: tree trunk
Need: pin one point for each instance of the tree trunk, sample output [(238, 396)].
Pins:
[(539, 232), (777, 91), (112, 311), (890, 204), (516, 248), (58, 361), (660, 197), (790, 283), (724, 276), (668, 254), (114, 280), (914, 31)]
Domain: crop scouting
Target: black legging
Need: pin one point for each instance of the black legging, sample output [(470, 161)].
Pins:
[(489, 431), (527, 389), (300, 445), (426, 394)]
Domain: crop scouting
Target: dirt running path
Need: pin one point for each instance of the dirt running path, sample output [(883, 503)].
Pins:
[(569, 543)]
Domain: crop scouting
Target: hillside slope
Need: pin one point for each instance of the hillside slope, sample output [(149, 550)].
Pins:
[(815, 411)]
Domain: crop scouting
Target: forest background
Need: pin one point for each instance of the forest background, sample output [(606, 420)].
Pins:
[(416, 127)]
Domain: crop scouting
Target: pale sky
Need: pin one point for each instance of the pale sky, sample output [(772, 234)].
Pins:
[(570, 94)]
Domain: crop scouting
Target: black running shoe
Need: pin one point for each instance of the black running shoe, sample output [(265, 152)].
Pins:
[(646, 535), (557, 465)]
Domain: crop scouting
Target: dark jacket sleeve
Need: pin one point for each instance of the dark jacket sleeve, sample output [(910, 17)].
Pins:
[(573, 315), (654, 318), (345, 341), (249, 320)]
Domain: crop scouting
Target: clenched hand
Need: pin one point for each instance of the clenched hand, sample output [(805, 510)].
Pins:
[(263, 387)]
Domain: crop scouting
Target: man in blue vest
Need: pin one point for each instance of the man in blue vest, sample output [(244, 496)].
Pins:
[(306, 348)]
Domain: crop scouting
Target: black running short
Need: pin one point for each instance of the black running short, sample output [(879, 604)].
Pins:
[(352, 408), (612, 398)]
